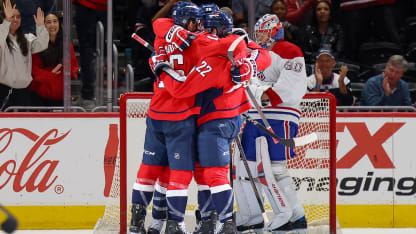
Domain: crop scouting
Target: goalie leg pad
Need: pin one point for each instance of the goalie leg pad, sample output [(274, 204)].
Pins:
[(285, 182), (275, 194), (249, 212)]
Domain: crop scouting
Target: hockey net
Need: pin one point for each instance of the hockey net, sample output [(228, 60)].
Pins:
[(313, 169)]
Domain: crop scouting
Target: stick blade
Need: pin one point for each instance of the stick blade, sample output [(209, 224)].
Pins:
[(304, 140)]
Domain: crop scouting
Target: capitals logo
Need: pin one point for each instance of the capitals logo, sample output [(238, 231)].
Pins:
[(261, 76)]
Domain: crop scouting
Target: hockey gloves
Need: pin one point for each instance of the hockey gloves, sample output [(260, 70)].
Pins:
[(157, 62), (243, 71), (179, 37)]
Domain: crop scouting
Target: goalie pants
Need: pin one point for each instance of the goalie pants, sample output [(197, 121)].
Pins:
[(278, 152)]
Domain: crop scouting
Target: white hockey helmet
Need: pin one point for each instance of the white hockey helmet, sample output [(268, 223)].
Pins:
[(268, 29)]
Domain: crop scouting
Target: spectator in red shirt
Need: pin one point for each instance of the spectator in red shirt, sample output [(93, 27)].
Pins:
[(47, 67), (299, 12)]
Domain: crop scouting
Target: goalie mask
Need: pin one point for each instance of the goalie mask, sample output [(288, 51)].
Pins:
[(268, 30), (185, 12), (220, 20)]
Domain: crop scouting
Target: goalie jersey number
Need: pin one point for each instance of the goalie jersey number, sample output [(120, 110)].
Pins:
[(294, 66)]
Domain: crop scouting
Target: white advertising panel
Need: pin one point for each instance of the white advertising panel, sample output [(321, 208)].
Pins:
[(375, 160), (53, 161)]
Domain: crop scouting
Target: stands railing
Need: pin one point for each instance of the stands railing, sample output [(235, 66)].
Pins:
[(117, 108), (109, 53), (376, 109), (99, 63), (115, 76), (129, 78), (104, 109), (43, 109)]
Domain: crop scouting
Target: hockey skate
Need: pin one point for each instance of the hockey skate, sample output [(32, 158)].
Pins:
[(206, 226), (254, 228), (138, 215), (228, 227), (156, 226), (174, 227), (299, 226), (283, 229), (153, 231)]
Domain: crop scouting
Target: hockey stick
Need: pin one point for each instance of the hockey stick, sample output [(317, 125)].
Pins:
[(289, 142), (142, 41), (10, 224), (250, 177)]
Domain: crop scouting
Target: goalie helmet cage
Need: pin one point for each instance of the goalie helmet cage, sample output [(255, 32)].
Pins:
[(318, 115)]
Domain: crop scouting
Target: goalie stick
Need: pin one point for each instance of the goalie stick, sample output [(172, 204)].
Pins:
[(10, 224), (250, 177), (291, 142), (288, 142)]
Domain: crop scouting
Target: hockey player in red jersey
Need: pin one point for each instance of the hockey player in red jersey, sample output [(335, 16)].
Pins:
[(169, 144), (219, 121), (279, 89)]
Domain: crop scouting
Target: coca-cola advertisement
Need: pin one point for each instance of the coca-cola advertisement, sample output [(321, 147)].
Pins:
[(56, 161)]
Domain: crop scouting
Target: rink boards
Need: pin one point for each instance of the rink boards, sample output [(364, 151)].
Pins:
[(52, 172)]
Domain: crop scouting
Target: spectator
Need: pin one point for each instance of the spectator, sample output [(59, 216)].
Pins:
[(240, 9), (292, 32), (47, 69), (326, 80), (28, 9), (87, 14), (16, 51), (227, 9), (299, 12), (323, 32), (387, 89)]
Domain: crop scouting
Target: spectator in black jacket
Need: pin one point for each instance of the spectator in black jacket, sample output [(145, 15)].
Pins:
[(323, 33)]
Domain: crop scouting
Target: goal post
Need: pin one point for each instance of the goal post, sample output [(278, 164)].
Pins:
[(313, 169)]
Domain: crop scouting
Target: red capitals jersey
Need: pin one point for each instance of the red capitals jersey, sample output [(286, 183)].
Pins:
[(163, 105), (210, 78)]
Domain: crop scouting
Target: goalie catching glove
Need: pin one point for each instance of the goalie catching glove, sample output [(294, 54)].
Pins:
[(157, 62)]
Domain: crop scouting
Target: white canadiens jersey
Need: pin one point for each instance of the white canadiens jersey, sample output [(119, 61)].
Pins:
[(284, 81)]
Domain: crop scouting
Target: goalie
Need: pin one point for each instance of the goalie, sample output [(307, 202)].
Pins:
[(279, 89)]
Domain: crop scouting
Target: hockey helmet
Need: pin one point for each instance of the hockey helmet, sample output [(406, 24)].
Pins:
[(219, 20), (184, 12), (268, 29), (209, 7)]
